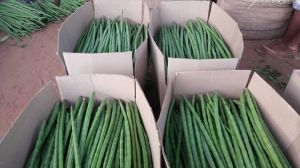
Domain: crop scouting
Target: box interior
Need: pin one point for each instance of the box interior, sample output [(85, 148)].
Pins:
[(18, 143), (135, 11), (167, 13), (280, 117)]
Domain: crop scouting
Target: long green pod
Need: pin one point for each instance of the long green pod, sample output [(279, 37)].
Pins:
[(37, 147), (121, 151), (192, 136), (86, 123), (104, 145), (279, 152), (186, 134), (69, 126), (262, 160), (167, 132), (237, 134), (132, 134), (128, 156), (219, 131), (207, 137), (48, 154), (260, 131), (115, 141), (61, 136), (92, 130), (244, 135), (143, 138), (137, 142), (75, 142)]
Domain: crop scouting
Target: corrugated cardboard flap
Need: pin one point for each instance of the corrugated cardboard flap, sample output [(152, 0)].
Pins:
[(131, 9), (105, 86), (141, 62), (104, 63), (280, 117), (73, 27), (292, 91), (17, 144), (183, 65), (182, 11), (229, 83)]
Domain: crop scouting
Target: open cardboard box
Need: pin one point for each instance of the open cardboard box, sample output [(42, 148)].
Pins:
[(18, 143), (292, 91), (280, 117), (135, 11), (168, 12)]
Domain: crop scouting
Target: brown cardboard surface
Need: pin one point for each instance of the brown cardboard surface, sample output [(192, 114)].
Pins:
[(141, 62), (175, 64), (159, 68), (167, 13), (17, 144), (280, 117), (292, 91), (89, 63), (135, 11)]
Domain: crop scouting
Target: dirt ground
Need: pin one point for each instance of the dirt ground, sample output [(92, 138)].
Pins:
[(25, 67)]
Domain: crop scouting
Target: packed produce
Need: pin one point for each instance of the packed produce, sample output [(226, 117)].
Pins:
[(86, 135), (111, 35), (195, 40), (21, 18), (212, 131)]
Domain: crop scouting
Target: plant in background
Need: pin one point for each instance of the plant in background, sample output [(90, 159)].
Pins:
[(19, 19)]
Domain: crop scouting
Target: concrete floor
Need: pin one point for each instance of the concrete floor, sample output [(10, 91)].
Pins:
[(25, 67)]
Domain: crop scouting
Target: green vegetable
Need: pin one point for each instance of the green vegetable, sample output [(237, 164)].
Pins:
[(19, 19), (212, 131), (194, 40), (106, 35), (92, 136)]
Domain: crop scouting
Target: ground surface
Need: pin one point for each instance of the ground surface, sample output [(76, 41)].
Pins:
[(25, 67)]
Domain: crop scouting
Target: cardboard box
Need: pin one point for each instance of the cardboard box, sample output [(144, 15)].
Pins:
[(168, 12), (292, 91), (135, 11), (280, 117), (17, 144)]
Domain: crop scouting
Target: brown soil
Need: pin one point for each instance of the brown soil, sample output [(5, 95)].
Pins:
[(25, 67)]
